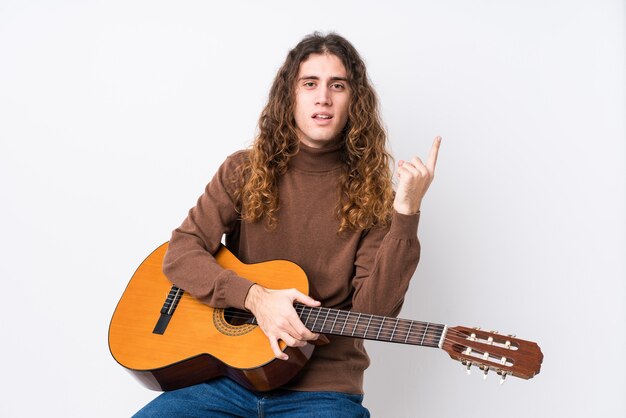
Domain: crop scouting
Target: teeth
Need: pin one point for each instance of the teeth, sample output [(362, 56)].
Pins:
[(323, 116)]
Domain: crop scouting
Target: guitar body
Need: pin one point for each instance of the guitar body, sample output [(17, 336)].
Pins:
[(198, 342)]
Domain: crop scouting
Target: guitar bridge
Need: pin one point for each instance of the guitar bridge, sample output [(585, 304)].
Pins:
[(171, 302)]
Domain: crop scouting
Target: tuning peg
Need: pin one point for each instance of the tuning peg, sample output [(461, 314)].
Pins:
[(469, 366), (472, 336), (485, 373), (503, 375)]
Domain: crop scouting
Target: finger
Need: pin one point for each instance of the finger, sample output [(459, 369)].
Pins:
[(305, 334), (418, 163), (434, 152), (278, 353), (295, 328), (307, 300), (420, 167), (409, 168), (299, 331), (291, 341), (406, 175), (414, 169), (299, 343), (323, 339)]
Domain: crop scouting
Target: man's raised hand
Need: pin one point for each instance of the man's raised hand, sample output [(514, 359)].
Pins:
[(414, 178)]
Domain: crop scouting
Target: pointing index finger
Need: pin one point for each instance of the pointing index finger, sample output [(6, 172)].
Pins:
[(432, 157)]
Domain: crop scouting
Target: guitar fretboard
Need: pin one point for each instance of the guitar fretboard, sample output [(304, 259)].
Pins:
[(370, 327)]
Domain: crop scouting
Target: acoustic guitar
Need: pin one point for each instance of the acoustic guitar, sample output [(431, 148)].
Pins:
[(168, 340)]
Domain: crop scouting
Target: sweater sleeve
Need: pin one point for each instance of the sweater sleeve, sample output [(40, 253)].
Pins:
[(385, 262), (189, 261)]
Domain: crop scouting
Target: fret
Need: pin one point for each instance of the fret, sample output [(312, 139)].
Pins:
[(303, 309), (368, 325), (380, 328), (315, 322), (335, 321), (356, 323), (324, 322), (345, 322), (408, 332), (394, 330), (423, 336)]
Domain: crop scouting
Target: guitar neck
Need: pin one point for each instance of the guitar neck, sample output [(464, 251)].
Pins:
[(371, 327), (351, 324)]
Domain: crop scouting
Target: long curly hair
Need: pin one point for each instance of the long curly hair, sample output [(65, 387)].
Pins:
[(366, 197)]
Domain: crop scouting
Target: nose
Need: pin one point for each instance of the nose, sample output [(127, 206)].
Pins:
[(323, 96)]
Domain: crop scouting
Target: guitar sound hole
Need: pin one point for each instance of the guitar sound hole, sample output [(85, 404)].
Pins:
[(237, 317)]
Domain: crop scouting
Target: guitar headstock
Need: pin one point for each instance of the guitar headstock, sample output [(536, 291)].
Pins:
[(504, 354)]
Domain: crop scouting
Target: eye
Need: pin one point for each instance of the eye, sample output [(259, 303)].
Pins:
[(309, 84), (338, 86)]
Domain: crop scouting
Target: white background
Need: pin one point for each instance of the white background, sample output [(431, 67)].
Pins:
[(114, 115)]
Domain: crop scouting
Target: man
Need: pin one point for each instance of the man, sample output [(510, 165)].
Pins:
[(316, 189)]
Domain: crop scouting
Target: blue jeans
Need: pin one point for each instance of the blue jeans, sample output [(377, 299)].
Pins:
[(224, 398)]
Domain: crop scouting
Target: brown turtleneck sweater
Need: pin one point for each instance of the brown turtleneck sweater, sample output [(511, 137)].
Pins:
[(363, 271)]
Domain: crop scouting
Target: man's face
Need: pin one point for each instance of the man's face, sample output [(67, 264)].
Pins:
[(322, 100)]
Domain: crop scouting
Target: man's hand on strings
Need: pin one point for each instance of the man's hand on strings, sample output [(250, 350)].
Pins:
[(414, 178), (277, 317)]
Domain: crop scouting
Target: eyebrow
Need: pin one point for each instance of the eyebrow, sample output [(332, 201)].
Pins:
[(314, 77)]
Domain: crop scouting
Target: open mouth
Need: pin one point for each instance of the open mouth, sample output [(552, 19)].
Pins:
[(322, 116)]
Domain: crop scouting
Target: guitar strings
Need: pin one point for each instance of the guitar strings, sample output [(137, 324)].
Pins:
[(354, 318), (406, 328), (394, 325), (355, 321)]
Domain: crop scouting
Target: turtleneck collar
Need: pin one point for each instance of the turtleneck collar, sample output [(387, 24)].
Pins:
[(317, 159)]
